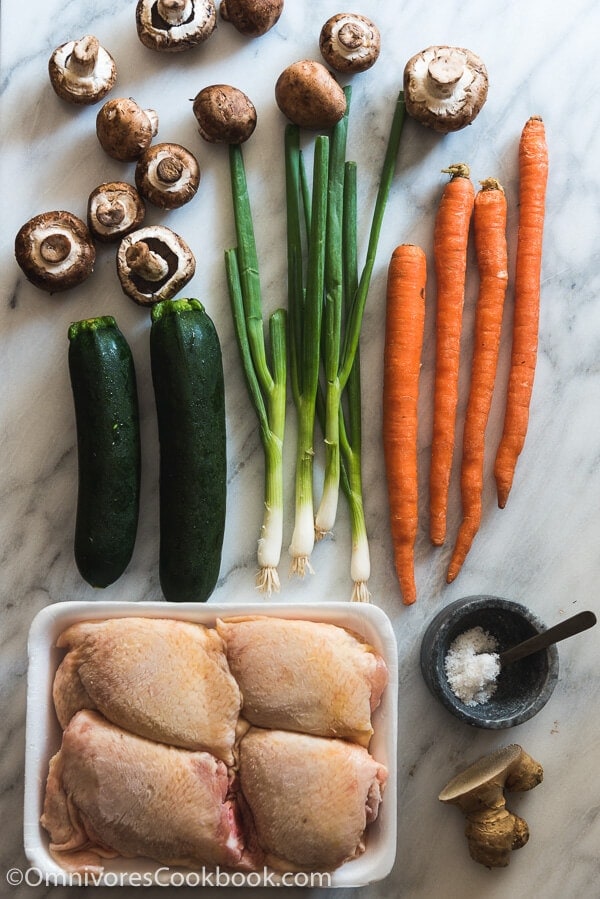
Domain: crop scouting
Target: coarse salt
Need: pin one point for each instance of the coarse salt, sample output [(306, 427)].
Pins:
[(472, 666)]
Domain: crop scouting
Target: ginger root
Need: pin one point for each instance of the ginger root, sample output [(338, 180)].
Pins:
[(492, 830)]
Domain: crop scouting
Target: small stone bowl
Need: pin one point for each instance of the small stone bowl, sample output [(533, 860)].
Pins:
[(522, 688)]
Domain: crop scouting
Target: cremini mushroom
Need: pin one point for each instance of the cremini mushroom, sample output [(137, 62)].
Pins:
[(167, 175), (224, 114), (308, 94), (82, 71), (55, 251), (124, 129), (350, 42), (174, 25), (251, 17), (114, 209), (154, 263), (492, 830), (445, 87)]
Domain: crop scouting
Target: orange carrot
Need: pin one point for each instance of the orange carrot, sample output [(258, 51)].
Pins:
[(489, 228), (405, 322), (533, 176), (450, 253)]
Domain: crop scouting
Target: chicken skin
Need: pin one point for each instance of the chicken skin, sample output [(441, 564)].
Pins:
[(305, 676), (310, 797), (112, 793), (163, 679)]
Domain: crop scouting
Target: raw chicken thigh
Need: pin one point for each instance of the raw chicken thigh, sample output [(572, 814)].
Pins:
[(163, 679), (310, 797), (111, 793), (304, 676)]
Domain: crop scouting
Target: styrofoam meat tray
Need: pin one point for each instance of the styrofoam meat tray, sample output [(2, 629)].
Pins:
[(43, 734)]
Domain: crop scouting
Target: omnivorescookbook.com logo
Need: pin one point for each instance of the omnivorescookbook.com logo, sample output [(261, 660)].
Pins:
[(166, 877)]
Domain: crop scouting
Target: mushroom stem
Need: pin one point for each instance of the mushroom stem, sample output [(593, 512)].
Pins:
[(110, 214), (350, 36), (55, 248), (169, 169), (145, 263), (84, 56), (445, 71), (175, 12)]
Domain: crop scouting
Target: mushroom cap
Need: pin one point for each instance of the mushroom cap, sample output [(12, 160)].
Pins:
[(167, 175), (350, 42), (82, 84), (171, 249), (157, 33), (251, 17), (445, 87), (114, 209), (124, 129), (224, 114), (308, 94), (55, 251)]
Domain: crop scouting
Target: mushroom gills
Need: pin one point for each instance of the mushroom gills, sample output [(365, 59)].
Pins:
[(153, 263)]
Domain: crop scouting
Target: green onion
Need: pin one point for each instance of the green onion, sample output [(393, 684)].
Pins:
[(342, 337), (350, 419), (305, 308), (266, 383), (332, 323)]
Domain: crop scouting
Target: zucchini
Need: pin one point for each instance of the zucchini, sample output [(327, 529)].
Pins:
[(187, 374), (108, 448)]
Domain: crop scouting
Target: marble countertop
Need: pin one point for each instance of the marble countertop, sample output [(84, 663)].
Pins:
[(541, 550)]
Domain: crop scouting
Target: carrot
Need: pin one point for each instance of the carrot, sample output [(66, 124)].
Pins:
[(405, 322), (450, 255), (533, 176), (489, 228)]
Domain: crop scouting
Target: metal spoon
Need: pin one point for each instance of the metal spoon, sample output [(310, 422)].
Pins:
[(561, 631)]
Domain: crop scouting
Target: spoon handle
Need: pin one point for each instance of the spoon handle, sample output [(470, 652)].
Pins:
[(561, 631)]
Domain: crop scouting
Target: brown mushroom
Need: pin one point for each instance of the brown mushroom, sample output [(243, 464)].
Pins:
[(114, 209), (167, 175), (308, 94), (445, 87), (224, 114), (251, 17), (350, 42), (153, 264), (55, 251), (492, 830), (124, 129), (174, 25), (82, 71)]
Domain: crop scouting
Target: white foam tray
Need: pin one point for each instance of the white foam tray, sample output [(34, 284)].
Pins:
[(43, 734)]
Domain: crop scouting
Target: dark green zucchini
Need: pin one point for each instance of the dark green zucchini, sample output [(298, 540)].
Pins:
[(187, 373), (108, 445)]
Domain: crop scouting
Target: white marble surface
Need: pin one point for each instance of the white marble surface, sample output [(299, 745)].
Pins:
[(542, 549)]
